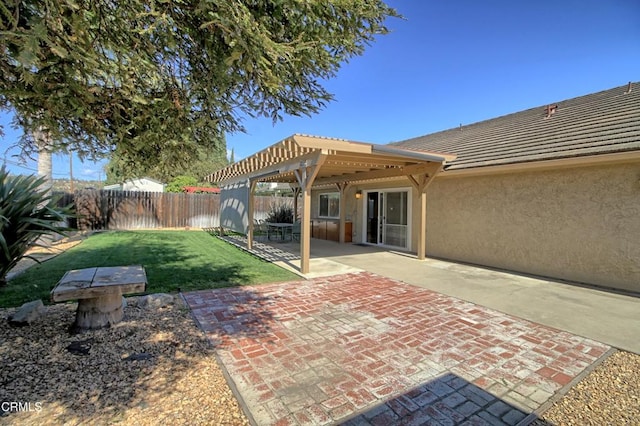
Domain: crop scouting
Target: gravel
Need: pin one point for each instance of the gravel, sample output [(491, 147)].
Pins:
[(154, 367), (609, 395)]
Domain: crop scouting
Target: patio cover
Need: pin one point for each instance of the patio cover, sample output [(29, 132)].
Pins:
[(310, 161)]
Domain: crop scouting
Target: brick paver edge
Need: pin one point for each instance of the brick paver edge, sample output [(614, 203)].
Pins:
[(536, 414), (232, 385)]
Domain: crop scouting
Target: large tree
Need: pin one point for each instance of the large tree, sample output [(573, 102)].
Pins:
[(167, 75), (164, 163)]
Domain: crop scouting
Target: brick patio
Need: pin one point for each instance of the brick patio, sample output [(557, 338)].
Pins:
[(363, 349)]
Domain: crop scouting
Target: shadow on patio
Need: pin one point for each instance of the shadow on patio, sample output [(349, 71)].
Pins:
[(446, 399), (286, 254)]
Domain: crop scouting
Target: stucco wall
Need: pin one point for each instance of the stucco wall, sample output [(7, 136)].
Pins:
[(580, 224)]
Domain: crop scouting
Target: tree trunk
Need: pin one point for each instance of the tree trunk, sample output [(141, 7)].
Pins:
[(43, 140), (42, 137), (100, 312)]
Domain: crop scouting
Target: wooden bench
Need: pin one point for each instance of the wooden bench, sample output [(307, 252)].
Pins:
[(99, 293)]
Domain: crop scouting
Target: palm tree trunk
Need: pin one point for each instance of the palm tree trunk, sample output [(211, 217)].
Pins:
[(45, 169), (43, 141)]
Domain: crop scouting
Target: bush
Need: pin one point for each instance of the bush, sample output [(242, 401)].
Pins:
[(282, 213), (27, 212), (179, 182)]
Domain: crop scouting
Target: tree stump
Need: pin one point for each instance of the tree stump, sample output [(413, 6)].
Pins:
[(99, 312), (99, 293)]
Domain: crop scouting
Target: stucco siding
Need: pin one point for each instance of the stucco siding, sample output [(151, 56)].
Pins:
[(580, 224)]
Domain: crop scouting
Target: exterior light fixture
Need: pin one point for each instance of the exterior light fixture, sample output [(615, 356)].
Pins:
[(358, 195)]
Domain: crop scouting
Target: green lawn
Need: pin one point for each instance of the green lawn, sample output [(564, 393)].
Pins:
[(173, 260)]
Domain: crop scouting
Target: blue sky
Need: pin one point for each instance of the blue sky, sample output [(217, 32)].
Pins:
[(451, 63)]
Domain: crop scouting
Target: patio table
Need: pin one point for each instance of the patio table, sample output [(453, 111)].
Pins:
[(279, 229), (99, 293)]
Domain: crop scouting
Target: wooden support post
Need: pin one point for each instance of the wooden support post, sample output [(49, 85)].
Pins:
[(342, 188), (422, 237), (250, 208), (306, 175), (420, 183), (305, 231)]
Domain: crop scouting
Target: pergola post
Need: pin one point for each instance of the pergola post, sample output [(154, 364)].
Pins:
[(420, 183), (342, 188), (305, 231), (305, 176), (250, 209), (422, 238)]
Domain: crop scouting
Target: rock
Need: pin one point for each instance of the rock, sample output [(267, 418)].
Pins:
[(28, 313), (138, 357), (124, 302), (157, 300), (80, 347)]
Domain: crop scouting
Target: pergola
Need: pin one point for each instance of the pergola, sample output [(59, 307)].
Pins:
[(306, 162)]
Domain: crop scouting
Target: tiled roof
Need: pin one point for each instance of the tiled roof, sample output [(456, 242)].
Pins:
[(599, 123)]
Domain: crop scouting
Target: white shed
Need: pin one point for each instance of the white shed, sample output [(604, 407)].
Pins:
[(144, 184)]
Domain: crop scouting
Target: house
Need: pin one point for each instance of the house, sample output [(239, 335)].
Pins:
[(552, 191), (144, 184), (273, 187)]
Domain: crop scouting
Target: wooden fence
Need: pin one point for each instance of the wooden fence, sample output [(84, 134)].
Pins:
[(106, 210)]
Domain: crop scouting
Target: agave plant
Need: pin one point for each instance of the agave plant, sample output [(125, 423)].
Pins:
[(27, 212)]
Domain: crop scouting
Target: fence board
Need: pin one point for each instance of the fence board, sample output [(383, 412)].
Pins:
[(109, 210)]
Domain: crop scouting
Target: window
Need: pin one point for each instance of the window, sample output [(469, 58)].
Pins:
[(329, 205)]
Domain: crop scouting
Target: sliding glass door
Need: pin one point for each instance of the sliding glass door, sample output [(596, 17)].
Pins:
[(387, 218)]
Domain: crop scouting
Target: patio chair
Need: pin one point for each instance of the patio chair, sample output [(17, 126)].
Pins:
[(295, 231), (260, 229)]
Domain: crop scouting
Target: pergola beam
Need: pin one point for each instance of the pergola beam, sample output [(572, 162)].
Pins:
[(377, 174), (332, 144)]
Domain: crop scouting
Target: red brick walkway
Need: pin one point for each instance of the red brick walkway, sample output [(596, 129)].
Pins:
[(368, 350)]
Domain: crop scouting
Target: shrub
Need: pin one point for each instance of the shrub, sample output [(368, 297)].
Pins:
[(280, 213), (27, 212), (179, 182)]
